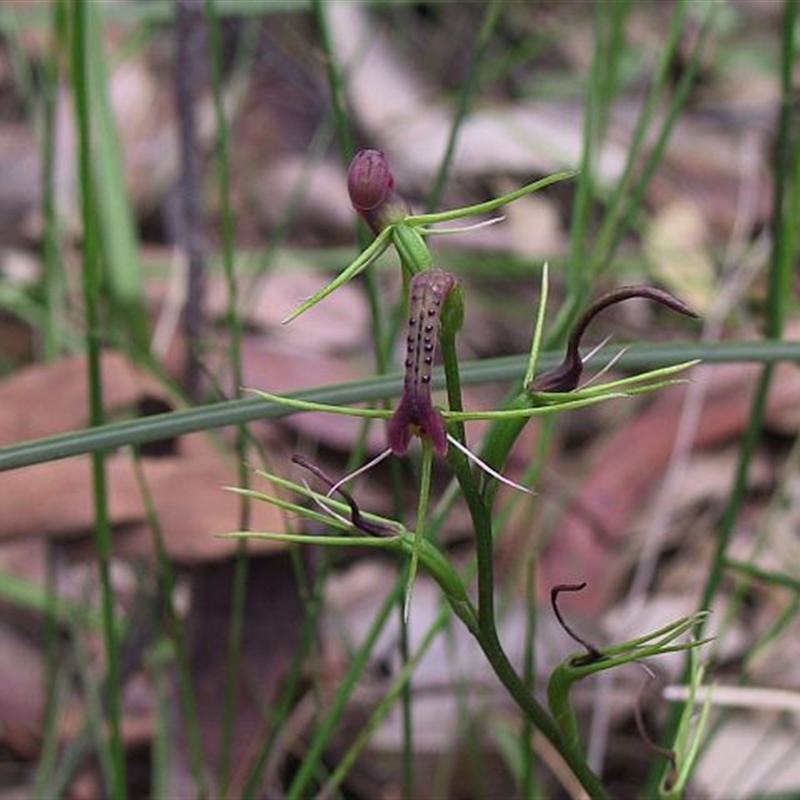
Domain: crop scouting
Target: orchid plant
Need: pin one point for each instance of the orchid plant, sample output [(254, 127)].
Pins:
[(435, 316)]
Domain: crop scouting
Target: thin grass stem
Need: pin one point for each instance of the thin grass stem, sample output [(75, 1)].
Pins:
[(300, 786), (240, 575), (235, 412), (176, 633), (92, 283), (774, 323), (469, 85)]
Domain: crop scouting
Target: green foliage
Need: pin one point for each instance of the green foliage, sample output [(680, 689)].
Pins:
[(602, 216)]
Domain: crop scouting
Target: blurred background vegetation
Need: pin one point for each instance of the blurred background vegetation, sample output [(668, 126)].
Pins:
[(172, 184)]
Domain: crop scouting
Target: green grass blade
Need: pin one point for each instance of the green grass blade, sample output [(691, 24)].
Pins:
[(82, 80), (114, 213), (235, 412)]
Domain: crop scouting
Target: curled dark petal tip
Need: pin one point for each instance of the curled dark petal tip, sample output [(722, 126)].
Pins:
[(369, 180), (372, 528), (659, 296), (566, 376), (416, 417), (592, 653)]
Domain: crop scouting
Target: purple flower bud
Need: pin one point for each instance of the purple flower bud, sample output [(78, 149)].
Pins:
[(369, 180), (372, 193)]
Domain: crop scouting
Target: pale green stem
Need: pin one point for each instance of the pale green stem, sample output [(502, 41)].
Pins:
[(422, 514), (536, 343)]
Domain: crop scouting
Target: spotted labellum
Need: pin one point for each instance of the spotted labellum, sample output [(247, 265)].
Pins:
[(415, 414)]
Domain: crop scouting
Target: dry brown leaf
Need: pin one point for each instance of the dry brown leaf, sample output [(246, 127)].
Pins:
[(55, 499), (274, 612), (631, 462), (45, 399), (279, 371), (193, 507)]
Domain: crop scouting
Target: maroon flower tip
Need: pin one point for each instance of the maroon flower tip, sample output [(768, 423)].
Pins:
[(566, 376), (416, 416), (369, 181)]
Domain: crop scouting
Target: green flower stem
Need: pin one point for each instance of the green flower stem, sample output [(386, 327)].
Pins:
[(451, 324), (414, 253), (489, 642), (576, 668), (479, 511), (486, 631), (422, 516), (558, 698), (500, 439), (571, 753)]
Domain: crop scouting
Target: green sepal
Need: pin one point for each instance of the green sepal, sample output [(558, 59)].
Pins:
[(579, 666), (398, 538), (453, 311), (414, 253)]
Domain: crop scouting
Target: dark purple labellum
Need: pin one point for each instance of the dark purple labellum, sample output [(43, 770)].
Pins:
[(415, 414)]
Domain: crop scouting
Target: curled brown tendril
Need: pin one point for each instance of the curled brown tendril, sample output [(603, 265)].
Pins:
[(592, 653), (652, 683), (372, 528), (566, 376)]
